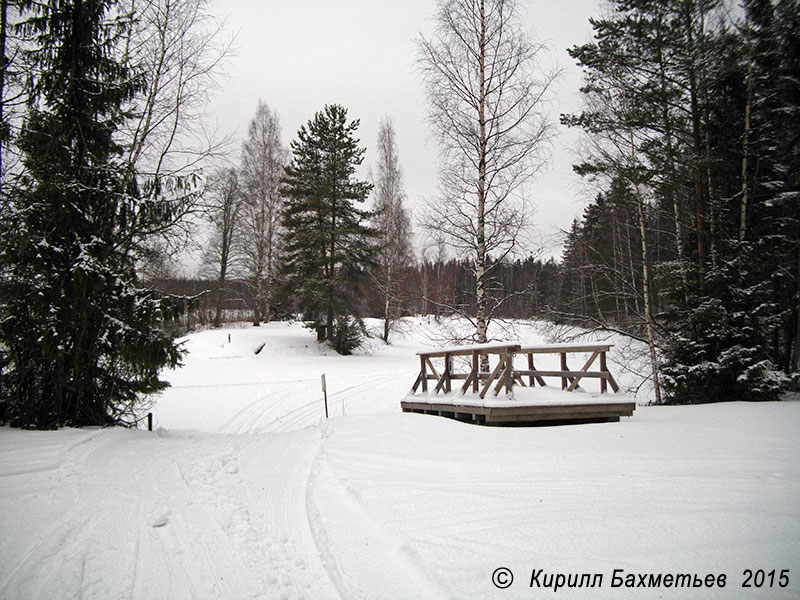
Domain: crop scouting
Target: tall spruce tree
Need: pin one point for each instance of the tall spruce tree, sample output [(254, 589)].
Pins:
[(328, 245), (771, 223), (81, 336)]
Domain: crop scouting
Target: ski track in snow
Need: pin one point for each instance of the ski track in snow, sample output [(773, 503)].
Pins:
[(363, 559), (277, 410), (210, 517), (246, 491)]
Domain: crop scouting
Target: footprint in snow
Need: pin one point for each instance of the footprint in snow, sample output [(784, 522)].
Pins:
[(160, 518)]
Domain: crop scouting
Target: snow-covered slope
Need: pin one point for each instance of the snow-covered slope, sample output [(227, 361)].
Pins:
[(245, 491)]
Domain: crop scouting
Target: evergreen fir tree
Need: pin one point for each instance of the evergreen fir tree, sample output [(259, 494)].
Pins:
[(773, 213), (718, 348), (81, 336), (328, 247)]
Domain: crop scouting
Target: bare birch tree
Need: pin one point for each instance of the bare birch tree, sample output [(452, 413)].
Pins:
[(9, 48), (263, 160), (179, 47), (392, 224), (221, 254), (486, 95)]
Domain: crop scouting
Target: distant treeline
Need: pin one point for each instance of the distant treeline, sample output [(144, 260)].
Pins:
[(531, 288)]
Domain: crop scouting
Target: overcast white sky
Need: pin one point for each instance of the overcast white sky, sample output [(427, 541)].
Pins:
[(299, 55)]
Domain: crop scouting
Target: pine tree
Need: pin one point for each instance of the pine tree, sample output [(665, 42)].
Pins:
[(328, 247), (81, 336)]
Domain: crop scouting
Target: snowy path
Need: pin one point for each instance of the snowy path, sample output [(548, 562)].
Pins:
[(178, 516), (400, 506), (248, 493), (363, 558)]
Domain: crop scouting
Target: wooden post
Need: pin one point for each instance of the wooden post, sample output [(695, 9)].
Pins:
[(476, 369), (488, 383), (423, 372), (447, 364), (325, 394), (509, 372), (531, 368), (149, 421), (564, 368), (603, 369)]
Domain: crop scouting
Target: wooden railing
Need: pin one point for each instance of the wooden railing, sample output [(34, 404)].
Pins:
[(480, 382), (504, 375), (569, 378)]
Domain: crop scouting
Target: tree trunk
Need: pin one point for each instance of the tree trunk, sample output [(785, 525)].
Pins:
[(635, 287), (218, 311), (259, 292), (697, 150), (386, 320), (270, 280), (480, 263), (744, 199), (387, 305), (616, 266), (3, 65), (646, 295), (648, 315), (699, 193), (424, 283), (332, 268), (672, 196), (712, 202)]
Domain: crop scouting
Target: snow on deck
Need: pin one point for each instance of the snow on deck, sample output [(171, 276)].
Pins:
[(540, 396)]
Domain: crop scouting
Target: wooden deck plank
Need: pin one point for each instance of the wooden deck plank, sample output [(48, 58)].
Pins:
[(584, 412), (557, 348), (578, 374), (491, 348)]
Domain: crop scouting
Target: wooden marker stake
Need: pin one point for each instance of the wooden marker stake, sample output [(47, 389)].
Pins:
[(325, 395)]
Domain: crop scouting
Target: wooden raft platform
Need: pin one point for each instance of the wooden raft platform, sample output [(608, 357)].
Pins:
[(469, 402)]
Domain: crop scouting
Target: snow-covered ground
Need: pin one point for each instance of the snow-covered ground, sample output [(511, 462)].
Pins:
[(246, 491)]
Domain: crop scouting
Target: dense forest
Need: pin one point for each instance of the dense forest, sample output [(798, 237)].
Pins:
[(690, 136), (524, 289), (694, 239)]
